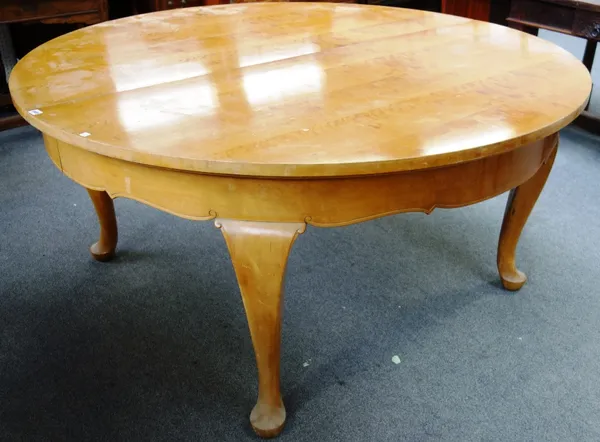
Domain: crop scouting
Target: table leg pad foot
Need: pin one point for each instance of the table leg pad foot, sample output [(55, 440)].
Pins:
[(267, 421), (100, 254), (514, 280)]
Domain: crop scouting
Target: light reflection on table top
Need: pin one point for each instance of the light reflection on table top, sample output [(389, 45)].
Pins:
[(299, 89)]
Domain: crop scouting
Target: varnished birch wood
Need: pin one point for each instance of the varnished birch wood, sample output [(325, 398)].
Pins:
[(259, 252), (324, 202), (299, 90), (518, 208), (104, 249), (269, 117)]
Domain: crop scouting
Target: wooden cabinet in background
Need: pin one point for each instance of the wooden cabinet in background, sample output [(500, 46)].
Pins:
[(494, 11), (53, 11), (288, 1), (161, 5), (142, 6)]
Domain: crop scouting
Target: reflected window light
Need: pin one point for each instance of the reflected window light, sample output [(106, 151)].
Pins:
[(162, 105), (289, 51), (148, 73), (277, 84), (130, 71), (147, 111)]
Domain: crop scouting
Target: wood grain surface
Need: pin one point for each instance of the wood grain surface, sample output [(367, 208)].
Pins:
[(259, 252), (299, 89)]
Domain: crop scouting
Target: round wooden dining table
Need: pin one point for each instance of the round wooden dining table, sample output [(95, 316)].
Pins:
[(269, 117)]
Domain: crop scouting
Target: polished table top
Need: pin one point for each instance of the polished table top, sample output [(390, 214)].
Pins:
[(293, 89)]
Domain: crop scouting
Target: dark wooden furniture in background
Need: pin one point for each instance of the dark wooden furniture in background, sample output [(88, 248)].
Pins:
[(580, 18), (53, 11), (142, 6), (494, 11), (82, 12), (425, 5)]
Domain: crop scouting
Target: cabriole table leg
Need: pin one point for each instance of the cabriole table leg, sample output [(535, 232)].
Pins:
[(104, 249), (518, 207), (259, 252)]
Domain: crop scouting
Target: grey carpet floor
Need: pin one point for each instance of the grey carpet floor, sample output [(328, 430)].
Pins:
[(154, 345)]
